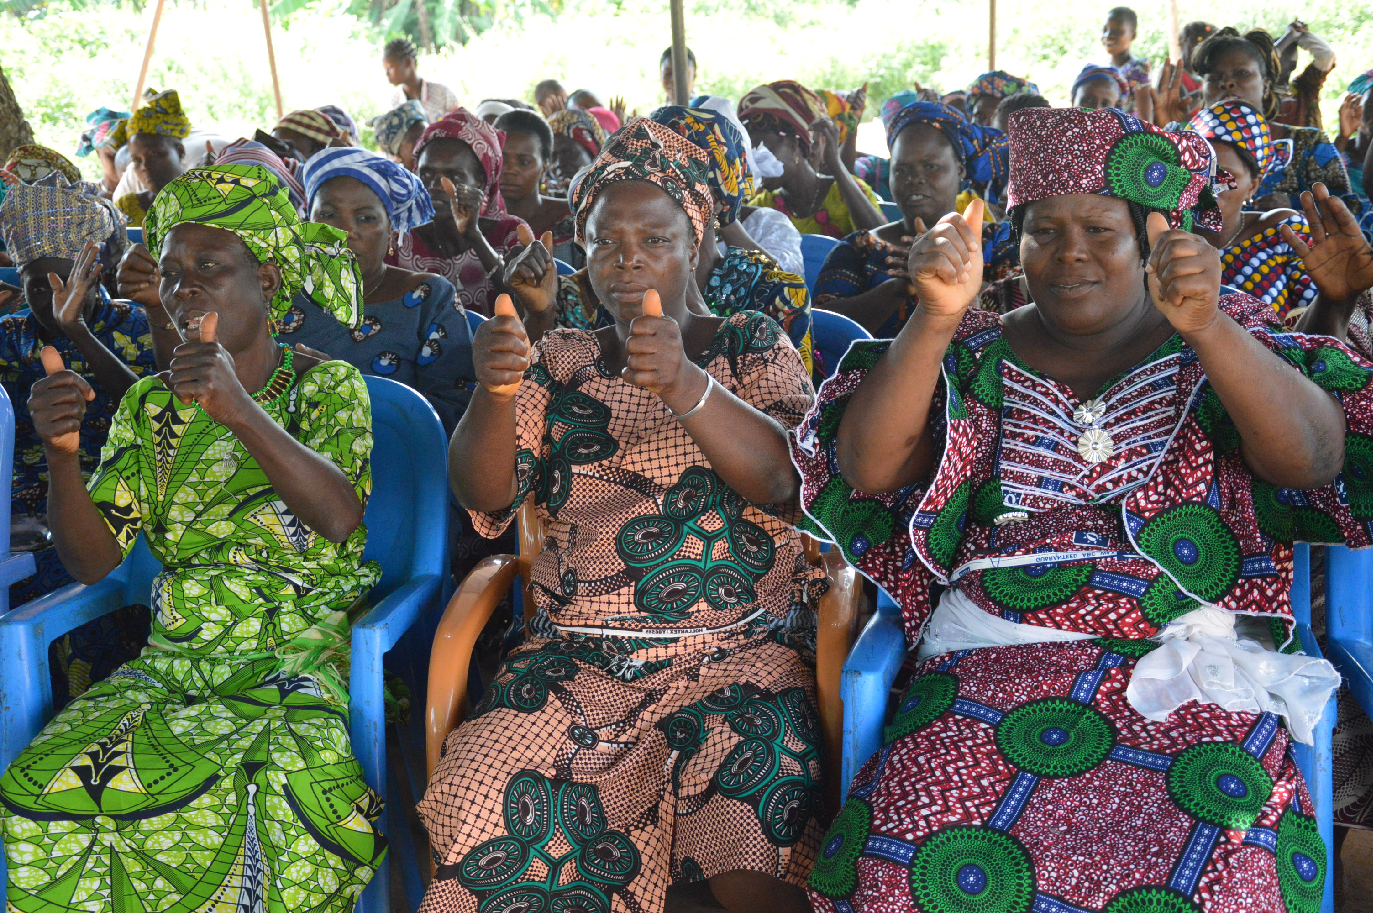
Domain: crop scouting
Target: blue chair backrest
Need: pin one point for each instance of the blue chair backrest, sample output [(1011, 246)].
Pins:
[(891, 211), (474, 320), (832, 333), (814, 250), (6, 465), (10, 276), (135, 235), (564, 269)]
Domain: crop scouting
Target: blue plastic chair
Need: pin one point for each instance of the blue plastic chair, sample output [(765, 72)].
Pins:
[(10, 276), (13, 567), (564, 269), (135, 235), (892, 211), (814, 250), (407, 533), (832, 335), (474, 320), (881, 649)]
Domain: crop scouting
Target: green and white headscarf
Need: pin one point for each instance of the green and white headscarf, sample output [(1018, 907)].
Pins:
[(248, 201)]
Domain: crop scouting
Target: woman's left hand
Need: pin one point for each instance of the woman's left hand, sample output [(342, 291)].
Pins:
[(656, 360), (202, 372), (827, 136), (1339, 259), (69, 298), (1183, 276), (466, 203)]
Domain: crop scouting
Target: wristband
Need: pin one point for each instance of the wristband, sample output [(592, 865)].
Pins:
[(710, 385)]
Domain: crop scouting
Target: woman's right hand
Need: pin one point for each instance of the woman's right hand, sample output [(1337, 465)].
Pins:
[(500, 354), (532, 276), (465, 203), (1351, 116), (945, 265), (57, 405), (1169, 103), (138, 277)]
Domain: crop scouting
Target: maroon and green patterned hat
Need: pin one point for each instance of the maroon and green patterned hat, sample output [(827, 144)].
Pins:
[(1056, 151)]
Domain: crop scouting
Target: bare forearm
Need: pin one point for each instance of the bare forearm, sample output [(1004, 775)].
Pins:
[(484, 251), (314, 489), (884, 442), (481, 454), (165, 337), (1328, 317), (85, 545), (108, 371), (1291, 431), (745, 447), (865, 215)]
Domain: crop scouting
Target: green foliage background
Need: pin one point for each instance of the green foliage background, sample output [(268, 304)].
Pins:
[(67, 58)]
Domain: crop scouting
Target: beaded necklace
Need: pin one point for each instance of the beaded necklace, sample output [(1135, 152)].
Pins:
[(281, 380)]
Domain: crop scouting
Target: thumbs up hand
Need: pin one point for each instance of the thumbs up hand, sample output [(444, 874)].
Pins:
[(656, 360), (57, 405), (1184, 276), (203, 372), (500, 350), (532, 276)]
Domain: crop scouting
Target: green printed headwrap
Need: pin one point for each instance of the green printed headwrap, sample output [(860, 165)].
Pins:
[(248, 201)]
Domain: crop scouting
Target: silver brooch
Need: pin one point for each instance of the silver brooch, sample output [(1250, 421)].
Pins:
[(1095, 445)]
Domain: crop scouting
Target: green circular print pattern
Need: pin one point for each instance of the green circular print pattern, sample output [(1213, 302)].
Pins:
[(746, 768), (968, 869), (1055, 737), (835, 874), (1147, 169), (520, 898), (1151, 899), (786, 810), (1034, 587), (529, 807), (580, 812), (926, 699), (1192, 543), (492, 863), (1219, 783), (1301, 863)]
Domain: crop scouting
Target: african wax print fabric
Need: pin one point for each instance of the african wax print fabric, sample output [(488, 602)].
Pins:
[(1238, 124), (1265, 266), (1352, 748), (726, 148), (390, 128), (435, 98), (580, 127), (971, 143), (161, 114), (131, 208), (1092, 71), (875, 171), (1070, 150), (1000, 84), (217, 766), (250, 152), (1314, 159), (659, 728), (406, 201), (343, 120), (1361, 83), (420, 339), (838, 109), (1136, 72), (1024, 770), (31, 163), (122, 328), (102, 124), (56, 220), (645, 150), (486, 142), (314, 125), (785, 103), (858, 264), (475, 289), (832, 218), (248, 201), (743, 280)]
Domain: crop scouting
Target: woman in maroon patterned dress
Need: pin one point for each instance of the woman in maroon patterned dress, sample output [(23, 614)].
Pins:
[(1086, 510)]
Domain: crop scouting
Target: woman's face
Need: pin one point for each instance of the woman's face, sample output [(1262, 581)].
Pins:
[(925, 174), (1236, 73), (398, 72), (406, 152), (157, 160), (350, 205), (569, 157), (1082, 261), (453, 159), (298, 144), (33, 276), (522, 167), (1116, 36), (638, 238), (208, 269), (1098, 93), (1232, 202)]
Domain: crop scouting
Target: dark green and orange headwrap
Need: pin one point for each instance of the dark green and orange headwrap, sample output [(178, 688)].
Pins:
[(248, 201), (643, 150)]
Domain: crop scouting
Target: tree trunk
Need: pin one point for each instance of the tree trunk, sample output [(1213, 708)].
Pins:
[(426, 28), (14, 130)]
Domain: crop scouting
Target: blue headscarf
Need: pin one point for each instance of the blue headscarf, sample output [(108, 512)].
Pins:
[(971, 142), (731, 180), (405, 199), (1092, 71)]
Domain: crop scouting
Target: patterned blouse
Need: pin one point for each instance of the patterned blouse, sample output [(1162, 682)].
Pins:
[(1314, 159), (476, 291), (1267, 267), (832, 218)]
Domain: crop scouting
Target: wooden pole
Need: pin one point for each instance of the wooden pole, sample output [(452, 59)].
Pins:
[(991, 34), (271, 58), (679, 57), (147, 57), (1174, 40)]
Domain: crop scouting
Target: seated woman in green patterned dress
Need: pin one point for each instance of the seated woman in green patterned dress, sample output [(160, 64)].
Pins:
[(658, 729), (215, 771)]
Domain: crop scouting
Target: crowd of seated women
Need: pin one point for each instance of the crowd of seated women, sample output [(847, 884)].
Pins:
[(1122, 363)]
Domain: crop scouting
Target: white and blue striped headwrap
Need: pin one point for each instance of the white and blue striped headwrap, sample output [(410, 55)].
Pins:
[(405, 199)]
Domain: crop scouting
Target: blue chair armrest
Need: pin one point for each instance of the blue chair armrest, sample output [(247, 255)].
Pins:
[(25, 632), (866, 683), (15, 566)]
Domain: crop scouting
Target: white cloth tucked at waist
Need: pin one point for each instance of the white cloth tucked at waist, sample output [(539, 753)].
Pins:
[(1200, 658)]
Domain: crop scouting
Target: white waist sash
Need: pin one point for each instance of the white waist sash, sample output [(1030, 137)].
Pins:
[(1200, 658)]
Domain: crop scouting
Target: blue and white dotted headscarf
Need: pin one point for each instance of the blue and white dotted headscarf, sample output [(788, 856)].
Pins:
[(406, 201)]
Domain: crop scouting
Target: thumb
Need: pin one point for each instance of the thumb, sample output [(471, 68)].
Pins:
[(52, 361), (547, 241), (653, 304), (920, 228), (55, 282), (975, 213), (210, 150), (208, 325), (524, 234), (504, 307), (1156, 226)]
